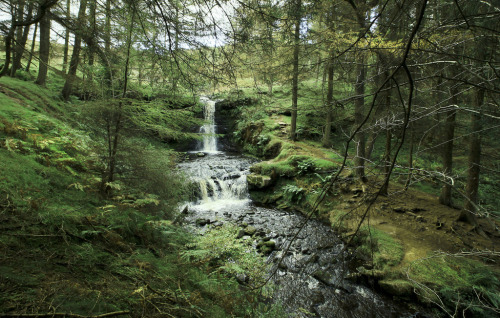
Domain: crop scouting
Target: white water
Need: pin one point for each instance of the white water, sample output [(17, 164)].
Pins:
[(223, 197), (208, 129)]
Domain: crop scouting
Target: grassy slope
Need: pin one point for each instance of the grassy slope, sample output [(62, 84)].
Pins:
[(64, 249), (399, 249)]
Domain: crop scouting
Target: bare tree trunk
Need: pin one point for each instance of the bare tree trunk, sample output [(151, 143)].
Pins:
[(127, 61), (75, 56), (66, 38), (8, 51), (8, 45), (471, 189), (295, 78), (17, 53), (447, 151), (32, 50), (91, 49), (387, 156), (329, 104), (359, 105), (44, 49), (410, 159)]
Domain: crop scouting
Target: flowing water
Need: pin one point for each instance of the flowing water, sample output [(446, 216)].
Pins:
[(208, 129), (311, 279)]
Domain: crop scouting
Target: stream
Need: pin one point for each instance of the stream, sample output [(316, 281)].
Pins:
[(311, 279)]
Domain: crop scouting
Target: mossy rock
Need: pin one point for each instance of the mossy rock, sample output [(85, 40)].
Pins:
[(396, 287), (250, 230), (257, 181)]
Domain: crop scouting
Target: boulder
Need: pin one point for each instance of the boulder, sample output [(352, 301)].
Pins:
[(258, 181)]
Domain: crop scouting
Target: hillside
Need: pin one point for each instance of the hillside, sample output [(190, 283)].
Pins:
[(69, 247)]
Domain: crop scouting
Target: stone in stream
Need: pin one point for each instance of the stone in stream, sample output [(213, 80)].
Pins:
[(202, 221), (250, 230)]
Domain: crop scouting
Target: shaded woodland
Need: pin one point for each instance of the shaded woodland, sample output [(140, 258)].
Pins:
[(403, 94)]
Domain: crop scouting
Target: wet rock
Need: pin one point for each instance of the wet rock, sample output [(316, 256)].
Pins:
[(202, 222), (257, 181), (200, 154), (323, 276), (250, 230), (270, 244), (317, 297)]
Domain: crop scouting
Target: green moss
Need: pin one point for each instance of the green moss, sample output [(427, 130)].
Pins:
[(457, 281), (387, 251)]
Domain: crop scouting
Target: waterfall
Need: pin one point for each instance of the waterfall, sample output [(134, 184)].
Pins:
[(208, 129)]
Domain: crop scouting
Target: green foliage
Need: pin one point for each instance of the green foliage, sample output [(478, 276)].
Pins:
[(112, 254), (387, 252), (459, 282), (219, 247), (294, 165), (292, 193)]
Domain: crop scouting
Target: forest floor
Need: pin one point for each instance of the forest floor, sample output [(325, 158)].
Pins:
[(418, 246)]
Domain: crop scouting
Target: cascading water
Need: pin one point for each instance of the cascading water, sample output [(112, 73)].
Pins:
[(311, 277), (209, 128)]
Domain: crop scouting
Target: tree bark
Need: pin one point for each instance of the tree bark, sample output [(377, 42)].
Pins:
[(32, 50), (66, 38), (359, 105), (75, 56), (329, 104), (471, 189), (127, 61), (387, 156), (44, 49), (17, 53), (447, 151), (91, 50), (8, 45), (295, 75)]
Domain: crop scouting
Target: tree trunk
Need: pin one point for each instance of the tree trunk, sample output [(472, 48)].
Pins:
[(8, 51), (17, 53), (410, 158), (75, 56), (127, 61), (387, 157), (32, 51), (295, 76), (107, 33), (66, 38), (91, 49), (8, 45), (359, 104), (44, 49), (471, 189), (329, 104), (447, 151)]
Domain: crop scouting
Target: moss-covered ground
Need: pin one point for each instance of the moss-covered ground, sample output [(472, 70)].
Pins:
[(407, 243)]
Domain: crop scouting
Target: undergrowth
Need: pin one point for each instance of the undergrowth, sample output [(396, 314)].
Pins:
[(67, 248)]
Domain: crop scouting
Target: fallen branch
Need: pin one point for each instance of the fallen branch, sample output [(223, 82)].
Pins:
[(65, 315)]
